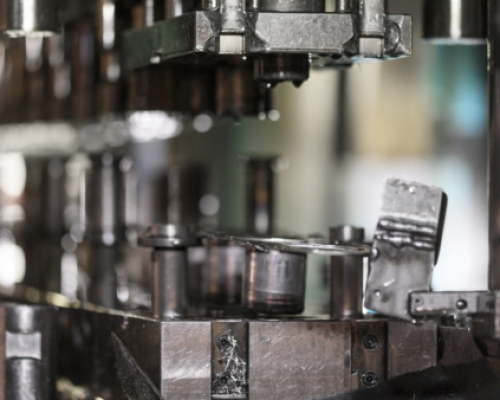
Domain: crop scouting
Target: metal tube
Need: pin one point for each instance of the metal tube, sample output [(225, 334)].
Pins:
[(169, 294), (292, 5), (494, 145), (169, 262), (274, 282), (455, 21), (345, 6), (23, 17), (28, 336), (102, 203), (346, 276), (260, 195), (222, 273)]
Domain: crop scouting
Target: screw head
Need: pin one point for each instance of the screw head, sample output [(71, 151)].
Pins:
[(370, 342), (370, 379)]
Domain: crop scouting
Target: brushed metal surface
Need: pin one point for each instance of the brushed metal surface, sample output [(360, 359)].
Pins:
[(410, 347), (299, 360), (186, 358)]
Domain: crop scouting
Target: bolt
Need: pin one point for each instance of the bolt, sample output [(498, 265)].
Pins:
[(377, 293), (370, 379), (370, 342), (461, 304)]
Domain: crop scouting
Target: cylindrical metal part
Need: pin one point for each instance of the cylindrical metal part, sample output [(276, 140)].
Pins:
[(102, 199), (274, 282), (237, 95), (455, 21), (103, 287), (29, 17), (346, 276), (169, 290), (222, 274), (169, 263), (154, 11), (277, 68), (210, 4), (30, 351), (24, 379), (260, 195), (292, 6), (494, 145), (345, 6)]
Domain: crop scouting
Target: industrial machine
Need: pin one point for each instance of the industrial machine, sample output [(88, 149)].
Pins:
[(183, 309)]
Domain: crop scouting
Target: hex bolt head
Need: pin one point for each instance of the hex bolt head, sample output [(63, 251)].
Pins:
[(370, 379), (370, 342)]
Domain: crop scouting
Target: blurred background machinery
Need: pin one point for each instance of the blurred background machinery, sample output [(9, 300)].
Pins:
[(176, 225)]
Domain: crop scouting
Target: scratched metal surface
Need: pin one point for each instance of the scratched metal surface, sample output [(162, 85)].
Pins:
[(298, 360), (186, 358), (141, 337), (411, 347)]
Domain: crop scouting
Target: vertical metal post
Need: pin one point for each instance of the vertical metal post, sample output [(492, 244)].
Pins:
[(28, 340), (494, 143), (168, 267), (346, 276), (260, 195)]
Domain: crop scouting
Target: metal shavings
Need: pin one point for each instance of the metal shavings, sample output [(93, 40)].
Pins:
[(233, 379)]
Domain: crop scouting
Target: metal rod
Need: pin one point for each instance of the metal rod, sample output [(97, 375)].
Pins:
[(494, 144), (168, 267), (346, 276), (169, 276), (260, 195)]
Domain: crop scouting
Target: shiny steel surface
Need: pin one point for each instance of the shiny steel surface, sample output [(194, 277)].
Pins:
[(221, 276), (313, 246), (292, 5), (167, 236), (345, 6), (169, 283), (299, 360), (186, 358), (346, 299), (169, 266), (29, 17), (274, 282), (28, 337), (372, 18), (455, 21), (283, 32)]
